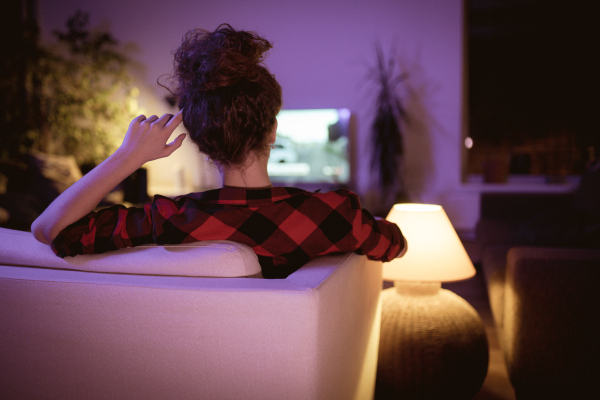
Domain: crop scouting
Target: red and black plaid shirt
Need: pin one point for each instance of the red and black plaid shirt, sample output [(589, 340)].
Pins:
[(286, 227)]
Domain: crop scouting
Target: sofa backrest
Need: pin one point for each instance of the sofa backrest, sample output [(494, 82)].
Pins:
[(215, 258)]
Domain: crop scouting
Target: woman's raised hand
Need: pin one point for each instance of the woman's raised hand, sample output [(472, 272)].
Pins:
[(146, 138)]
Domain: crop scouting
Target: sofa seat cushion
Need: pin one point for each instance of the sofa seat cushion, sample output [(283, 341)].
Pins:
[(214, 258)]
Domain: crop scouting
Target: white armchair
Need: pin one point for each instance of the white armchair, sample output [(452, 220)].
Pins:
[(148, 323)]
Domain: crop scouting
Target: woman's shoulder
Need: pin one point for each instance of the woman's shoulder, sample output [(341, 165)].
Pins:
[(337, 197), (341, 192)]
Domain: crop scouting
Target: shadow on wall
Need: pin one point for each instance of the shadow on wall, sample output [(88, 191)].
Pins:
[(418, 167)]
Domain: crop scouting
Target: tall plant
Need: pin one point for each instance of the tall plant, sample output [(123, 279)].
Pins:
[(81, 95), (387, 148), (88, 92)]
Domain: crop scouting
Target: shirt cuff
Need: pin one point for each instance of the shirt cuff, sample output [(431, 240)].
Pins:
[(404, 248)]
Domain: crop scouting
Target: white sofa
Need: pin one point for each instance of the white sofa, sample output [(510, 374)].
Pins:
[(154, 323)]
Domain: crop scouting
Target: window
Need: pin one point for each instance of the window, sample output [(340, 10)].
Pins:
[(533, 86)]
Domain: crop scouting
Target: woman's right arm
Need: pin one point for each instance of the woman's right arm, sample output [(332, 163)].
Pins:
[(145, 141)]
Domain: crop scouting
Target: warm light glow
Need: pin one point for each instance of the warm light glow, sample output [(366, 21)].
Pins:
[(468, 143), (435, 253), (417, 207)]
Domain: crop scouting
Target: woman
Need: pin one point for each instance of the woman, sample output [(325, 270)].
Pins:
[(229, 102)]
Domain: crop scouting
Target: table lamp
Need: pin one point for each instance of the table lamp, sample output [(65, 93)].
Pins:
[(433, 344)]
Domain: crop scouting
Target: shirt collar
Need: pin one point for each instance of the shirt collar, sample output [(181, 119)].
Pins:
[(243, 196)]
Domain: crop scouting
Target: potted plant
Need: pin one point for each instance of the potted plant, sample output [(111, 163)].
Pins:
[(79, 95), (64, 109), (387, 127)]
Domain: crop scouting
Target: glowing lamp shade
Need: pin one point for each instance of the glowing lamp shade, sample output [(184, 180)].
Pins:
[(435, 253)]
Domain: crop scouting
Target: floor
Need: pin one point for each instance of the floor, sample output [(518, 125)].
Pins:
[(496, 385)]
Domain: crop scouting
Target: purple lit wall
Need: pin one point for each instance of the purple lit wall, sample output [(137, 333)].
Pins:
[(320, 56)]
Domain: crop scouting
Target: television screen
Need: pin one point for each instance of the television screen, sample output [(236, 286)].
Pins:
[(311, 147)]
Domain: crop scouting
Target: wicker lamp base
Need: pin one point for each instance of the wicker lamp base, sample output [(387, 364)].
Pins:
[(433, 344)]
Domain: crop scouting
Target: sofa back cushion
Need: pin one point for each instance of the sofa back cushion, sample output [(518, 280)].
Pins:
[(214, 258)]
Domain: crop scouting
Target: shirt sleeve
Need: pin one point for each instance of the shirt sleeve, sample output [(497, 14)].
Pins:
[(378, 239), (108, 229)]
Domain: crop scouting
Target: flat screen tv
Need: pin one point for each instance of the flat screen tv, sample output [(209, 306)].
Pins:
[(312, 149)]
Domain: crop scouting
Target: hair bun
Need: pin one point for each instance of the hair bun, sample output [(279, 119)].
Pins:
[(210, 60)]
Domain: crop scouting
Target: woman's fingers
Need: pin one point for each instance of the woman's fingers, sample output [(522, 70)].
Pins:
[(169, 119), (137, 120), (151, 119), (162, 121), (147, 137), (176, 119), (178, 139), (174, 145), (168, 122)]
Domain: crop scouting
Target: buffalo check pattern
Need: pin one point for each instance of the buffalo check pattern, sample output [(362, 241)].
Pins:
[(286, 227)]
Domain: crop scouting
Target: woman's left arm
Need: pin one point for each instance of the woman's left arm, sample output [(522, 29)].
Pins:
[(146, 140)]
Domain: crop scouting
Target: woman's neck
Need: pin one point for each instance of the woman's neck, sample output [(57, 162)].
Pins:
[(253, 174)]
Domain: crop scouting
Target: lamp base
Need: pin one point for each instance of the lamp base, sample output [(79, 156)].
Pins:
[(433, 344)]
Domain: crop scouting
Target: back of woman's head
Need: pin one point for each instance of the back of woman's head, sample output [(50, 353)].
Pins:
[(228, 97)]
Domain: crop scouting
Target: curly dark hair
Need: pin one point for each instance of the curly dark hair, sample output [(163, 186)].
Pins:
[(228, 97)]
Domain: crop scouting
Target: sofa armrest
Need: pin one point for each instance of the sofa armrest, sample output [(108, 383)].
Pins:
[(73, 334), (550, 334)]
